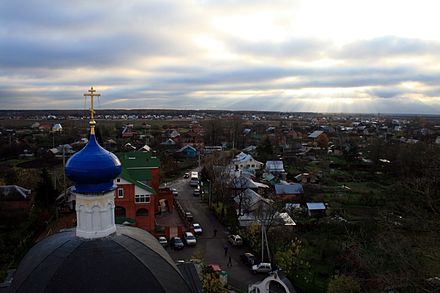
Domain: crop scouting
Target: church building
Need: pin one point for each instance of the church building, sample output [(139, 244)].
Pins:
[(98, 255)]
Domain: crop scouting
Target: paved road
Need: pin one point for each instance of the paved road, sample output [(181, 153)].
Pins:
[(211, 248)]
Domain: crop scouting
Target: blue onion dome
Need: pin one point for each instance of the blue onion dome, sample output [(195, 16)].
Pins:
[(93, 168)]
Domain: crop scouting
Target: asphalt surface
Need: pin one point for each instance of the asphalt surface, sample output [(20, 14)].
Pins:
[(209, 247)]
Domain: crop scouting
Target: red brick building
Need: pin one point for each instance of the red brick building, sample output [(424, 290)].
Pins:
[(138, 197)]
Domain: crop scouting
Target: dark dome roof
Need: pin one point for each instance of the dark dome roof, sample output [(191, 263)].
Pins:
[(93, 168), (131, 260)]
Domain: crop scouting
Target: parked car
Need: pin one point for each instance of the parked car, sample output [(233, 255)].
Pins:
[(249, 259), (177, 243), (163, 241), (186, 175), (262, 267), (190, 239), (189, 216), (174, 191), (235, 240), (196, 192), (197, 229)]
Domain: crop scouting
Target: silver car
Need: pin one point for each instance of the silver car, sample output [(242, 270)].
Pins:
[(189, 239), (197, 229)]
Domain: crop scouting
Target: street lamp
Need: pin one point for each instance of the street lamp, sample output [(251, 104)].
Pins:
[(210, 193)]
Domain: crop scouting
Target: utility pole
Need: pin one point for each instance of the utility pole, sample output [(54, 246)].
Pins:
[(64, 172), (262, 242), (210, 193)]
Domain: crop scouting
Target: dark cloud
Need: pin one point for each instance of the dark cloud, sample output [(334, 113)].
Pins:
[(36, 15), (387, 92), (97, 51), (249, 77), (59, 34)]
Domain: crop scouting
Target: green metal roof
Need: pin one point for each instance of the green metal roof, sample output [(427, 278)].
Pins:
[(122, 220), (136, 168), (138, 159)]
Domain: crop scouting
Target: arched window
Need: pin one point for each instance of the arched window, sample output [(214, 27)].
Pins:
[(119, 211), (141, 213)]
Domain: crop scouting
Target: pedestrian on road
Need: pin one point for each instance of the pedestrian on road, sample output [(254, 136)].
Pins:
[(229, 261), (215, 232), (226, 249)]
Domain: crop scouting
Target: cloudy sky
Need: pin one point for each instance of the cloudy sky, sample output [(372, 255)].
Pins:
[(283, 55)]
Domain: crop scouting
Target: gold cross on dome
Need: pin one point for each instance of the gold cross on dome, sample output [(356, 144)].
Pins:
[(91, 94)]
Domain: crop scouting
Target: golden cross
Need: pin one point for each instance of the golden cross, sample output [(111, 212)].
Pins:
[(92, 122)]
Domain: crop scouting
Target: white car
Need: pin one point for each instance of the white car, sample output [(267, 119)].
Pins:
[(174, 191), (197, 229), (235, 240), (262, 267), (163, 241), (189, 239)]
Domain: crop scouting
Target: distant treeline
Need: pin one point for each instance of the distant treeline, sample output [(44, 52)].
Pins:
[(213, 113)]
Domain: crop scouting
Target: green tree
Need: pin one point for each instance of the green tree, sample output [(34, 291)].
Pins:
[(10, 175), (45, 192), (265, 150), (213, 132), (343, 284), (252, 236), (212, 284), (288, 258)]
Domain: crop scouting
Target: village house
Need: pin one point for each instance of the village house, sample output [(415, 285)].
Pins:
[(319, 138), (127, 131), (194, 136), (288, 191), (143, 166), (242, 182), (307, 178), (138, 198), (252, 208), (57, 127), (187, 151), (250, 205), (172, 134), (274, 166), (244, 161), (45, 127), (169, 143), (15, 202), (134, 202)]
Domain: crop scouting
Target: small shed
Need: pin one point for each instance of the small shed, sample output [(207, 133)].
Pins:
[(316, 209), (188, 151), (275, 166)]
